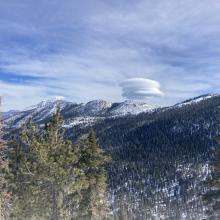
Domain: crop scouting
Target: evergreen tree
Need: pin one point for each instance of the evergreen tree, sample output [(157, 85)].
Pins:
[(44, 172), (4, 195), (93, 203), (53, 178)]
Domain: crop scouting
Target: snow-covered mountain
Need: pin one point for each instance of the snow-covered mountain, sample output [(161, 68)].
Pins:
[(84, 114), (39, 112), (75, 114)]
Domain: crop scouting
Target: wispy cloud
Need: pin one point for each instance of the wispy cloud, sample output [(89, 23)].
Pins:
[(83, 49)]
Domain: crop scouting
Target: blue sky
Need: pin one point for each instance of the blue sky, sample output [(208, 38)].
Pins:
[(156, 50)]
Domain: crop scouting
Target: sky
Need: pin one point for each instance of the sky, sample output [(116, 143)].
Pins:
[(158, 51)]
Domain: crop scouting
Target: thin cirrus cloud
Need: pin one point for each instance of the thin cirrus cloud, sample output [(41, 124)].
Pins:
[(140, 88), (81, 50)]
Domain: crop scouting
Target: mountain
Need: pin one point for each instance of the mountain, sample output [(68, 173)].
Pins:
[(84, 113), (160, 156)]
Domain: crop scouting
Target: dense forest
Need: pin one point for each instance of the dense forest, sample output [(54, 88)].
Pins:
[(162, 160)]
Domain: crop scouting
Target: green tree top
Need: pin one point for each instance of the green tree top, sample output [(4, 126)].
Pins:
[(53, 178)]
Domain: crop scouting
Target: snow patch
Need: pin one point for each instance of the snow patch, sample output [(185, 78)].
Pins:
[(195, 100)]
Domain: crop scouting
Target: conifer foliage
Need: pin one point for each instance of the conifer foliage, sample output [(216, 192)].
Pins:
[(214, 195), (53, 178), (4, 195), (93, 202)]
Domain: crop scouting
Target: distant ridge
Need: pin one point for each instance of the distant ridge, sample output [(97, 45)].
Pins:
[(87, 113)]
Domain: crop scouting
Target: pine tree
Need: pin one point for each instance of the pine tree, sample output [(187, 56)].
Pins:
[(44, 172), (4, 195), (93, 203), (53, 178)]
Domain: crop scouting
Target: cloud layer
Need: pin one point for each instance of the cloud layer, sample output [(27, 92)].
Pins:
[(81, 49), (140, 88)]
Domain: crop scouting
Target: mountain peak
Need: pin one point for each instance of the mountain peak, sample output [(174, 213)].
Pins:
[(52, 101)]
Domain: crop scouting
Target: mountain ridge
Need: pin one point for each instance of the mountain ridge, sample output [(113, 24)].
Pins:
[(90, 111)]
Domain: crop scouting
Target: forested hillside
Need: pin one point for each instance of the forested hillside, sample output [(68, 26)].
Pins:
[(161, 159)]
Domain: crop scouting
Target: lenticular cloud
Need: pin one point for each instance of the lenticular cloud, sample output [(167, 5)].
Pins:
[(140, 88)]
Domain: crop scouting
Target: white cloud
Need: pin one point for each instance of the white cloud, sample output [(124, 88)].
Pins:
[(140, 88)]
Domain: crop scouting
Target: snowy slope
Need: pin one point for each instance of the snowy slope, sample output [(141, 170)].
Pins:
[(131, 107), (75, 114), (85, 113), (9, 114), (39, 112), (196, 100), (93, 108)]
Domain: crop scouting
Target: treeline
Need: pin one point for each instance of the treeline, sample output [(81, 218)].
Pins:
[(45, 176)]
